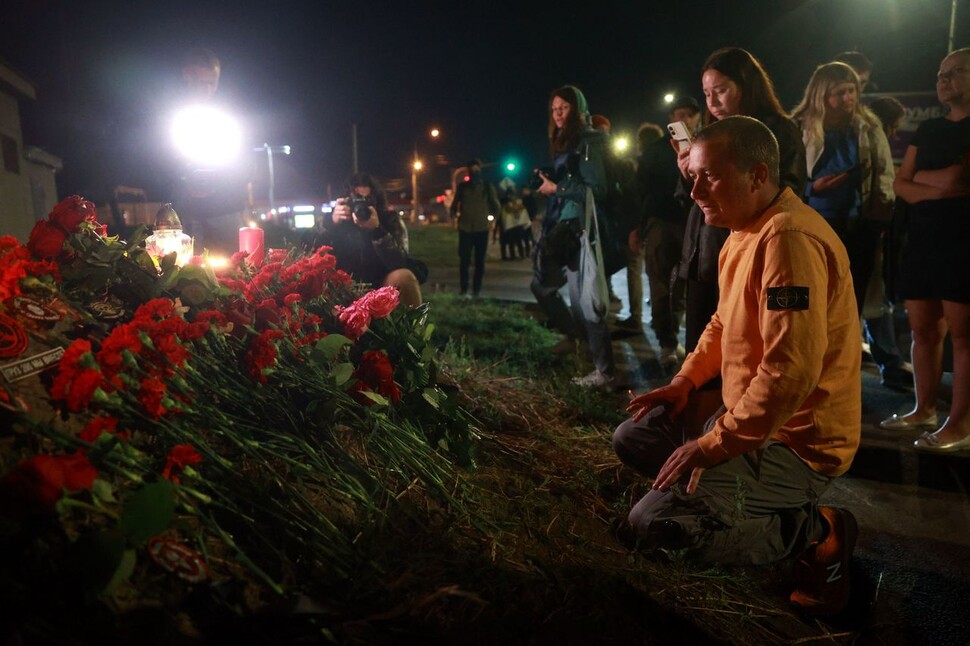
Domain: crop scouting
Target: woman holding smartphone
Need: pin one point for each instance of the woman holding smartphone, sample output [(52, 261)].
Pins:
[(734, 83), (934, 180), (849, 164), (577, 152)]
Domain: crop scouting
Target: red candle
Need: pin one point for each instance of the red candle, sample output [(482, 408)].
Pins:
[(251, 241)]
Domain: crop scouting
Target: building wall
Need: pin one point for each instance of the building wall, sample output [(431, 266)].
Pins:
[(16, 204)]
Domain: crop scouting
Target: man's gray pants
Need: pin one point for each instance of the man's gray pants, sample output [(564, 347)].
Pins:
[(753, 509)]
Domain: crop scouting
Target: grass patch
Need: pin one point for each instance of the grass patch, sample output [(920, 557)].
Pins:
[(498, 336), (435, 244)]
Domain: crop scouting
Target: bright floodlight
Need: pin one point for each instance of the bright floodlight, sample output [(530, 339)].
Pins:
[(206, 135), (621, 144), (418, 165), (669, 97), (435, 132)]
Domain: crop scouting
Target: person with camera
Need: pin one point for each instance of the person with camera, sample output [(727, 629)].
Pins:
[(578, 173), (370, 241)]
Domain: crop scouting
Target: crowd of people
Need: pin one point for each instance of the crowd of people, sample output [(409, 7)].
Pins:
[(763, 233), (766, 231)]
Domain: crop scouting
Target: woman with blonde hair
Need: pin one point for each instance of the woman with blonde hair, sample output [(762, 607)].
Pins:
[(849, 164)]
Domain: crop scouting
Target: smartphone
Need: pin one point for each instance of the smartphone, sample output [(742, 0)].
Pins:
[(680, 134)]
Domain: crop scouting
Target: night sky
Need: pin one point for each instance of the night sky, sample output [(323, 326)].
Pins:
[(301, 72)]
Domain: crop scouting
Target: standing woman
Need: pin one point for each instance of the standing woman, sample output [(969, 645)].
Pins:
[(577, 166), (734, 83), (849, 164), (934, 180)]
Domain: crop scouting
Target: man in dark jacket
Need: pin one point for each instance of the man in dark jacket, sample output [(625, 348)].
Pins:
[(474, 201), (661, 231)]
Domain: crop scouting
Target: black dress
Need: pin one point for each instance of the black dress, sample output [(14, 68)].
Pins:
[(935, 262)]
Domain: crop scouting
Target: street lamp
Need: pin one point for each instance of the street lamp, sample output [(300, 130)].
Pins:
[(270, 151), (416, 166)]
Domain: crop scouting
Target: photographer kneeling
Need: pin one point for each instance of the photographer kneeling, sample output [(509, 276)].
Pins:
[(370, 242)]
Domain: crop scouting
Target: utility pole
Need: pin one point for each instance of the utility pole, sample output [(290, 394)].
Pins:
[(353, 139), (269, 150)]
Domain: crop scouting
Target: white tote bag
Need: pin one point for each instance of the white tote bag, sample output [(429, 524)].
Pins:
[(594, 296)]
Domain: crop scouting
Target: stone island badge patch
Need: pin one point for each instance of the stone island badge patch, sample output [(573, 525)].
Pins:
[(788, 298)]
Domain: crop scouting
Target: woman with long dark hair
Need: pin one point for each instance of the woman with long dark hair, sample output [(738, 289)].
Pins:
[(734, 83), (934, 180), (577, 152)]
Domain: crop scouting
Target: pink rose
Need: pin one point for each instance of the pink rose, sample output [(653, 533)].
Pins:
[(381, 302), (356, 320)]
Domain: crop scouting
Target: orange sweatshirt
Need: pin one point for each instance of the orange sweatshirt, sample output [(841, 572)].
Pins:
[(785, 339)]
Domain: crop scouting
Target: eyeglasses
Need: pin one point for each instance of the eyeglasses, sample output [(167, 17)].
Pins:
[(946, 76)]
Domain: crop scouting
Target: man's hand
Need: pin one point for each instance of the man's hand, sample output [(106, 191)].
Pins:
[(828, 182), (687, 457), (675, 394)]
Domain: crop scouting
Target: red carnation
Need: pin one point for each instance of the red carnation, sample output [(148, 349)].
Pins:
[(40, 481), (178, 458), (97, 426)]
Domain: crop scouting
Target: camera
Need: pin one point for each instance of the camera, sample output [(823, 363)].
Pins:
[(535, 180), (360, 206)]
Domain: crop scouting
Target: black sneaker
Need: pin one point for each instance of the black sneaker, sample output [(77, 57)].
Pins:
[(631, 323), (897, 378)]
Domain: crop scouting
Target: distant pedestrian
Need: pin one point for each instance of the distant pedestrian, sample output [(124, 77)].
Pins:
[(475, 200), (513, 220)]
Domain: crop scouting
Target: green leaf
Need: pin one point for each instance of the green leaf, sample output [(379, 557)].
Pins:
[(332, 344), (149, 512), (342, 372), (103, 491), (428, 331), (377, 398), (431, 396), (124, 571), (167, 263)]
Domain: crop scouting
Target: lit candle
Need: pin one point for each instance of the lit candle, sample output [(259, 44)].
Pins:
[(251, 241)]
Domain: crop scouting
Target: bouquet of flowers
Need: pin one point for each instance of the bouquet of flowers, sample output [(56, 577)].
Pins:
[(259, 421)]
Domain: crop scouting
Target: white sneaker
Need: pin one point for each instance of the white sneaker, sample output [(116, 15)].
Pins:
[(672, 356), (595, 379)]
